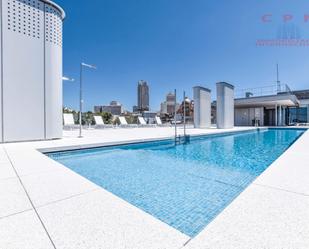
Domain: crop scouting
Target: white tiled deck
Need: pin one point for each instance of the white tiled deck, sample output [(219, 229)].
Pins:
[(45, 205)]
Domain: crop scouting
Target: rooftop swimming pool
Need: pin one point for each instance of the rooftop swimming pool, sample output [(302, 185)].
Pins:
[(185, 186)]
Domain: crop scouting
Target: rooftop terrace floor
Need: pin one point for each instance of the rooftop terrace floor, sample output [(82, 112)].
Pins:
[(43, 204)]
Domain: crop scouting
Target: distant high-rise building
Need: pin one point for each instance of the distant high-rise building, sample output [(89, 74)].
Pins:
[(135, 109), (114, 108), (189, 104), (168, 106), (142, 96), (97, 108)]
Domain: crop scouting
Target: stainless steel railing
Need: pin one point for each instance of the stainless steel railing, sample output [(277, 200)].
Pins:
[(266, 90)]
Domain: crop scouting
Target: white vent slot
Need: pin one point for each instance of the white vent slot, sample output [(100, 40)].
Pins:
[(24, 17), (53, 25)]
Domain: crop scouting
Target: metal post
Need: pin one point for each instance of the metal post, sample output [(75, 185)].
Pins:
[(184, 114), (175, 115), (276, 115), (80, 100)]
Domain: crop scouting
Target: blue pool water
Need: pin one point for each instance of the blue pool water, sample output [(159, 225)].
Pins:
[(185, 186)]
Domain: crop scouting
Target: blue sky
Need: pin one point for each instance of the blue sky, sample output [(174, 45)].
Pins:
[(178, 44)]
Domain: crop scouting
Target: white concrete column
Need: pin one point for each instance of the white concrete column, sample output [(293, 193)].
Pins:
[(307, 113), (280, 115), (276, 115), (225, 105), (284, 115), (202, 107)]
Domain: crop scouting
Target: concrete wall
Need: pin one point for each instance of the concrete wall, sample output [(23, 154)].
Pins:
[(23, 75), (1, 69), (53, 90), (32, 71), (244, 116), (202, 107), (225, 105)]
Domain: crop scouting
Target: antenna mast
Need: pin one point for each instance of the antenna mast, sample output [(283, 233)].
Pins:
[(278, 81)]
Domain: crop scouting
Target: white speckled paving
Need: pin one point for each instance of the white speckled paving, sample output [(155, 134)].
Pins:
[(47, 205)]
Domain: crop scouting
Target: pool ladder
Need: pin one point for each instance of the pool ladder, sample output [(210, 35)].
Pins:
[(182, 139)]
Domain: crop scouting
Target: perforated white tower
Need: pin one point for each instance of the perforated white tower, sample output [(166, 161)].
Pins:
[(31, 70)]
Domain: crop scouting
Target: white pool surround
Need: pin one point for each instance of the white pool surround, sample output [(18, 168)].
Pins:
[(46, 205)]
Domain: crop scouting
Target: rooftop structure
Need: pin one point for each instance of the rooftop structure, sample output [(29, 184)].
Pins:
[(31, 70), (281, 106), (189, 108)]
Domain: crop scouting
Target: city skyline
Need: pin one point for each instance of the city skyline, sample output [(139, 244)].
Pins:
[(169, 102), (176, 44), (166, 106)]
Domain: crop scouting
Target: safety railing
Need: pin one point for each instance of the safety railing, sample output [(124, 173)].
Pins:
[(262, 91)]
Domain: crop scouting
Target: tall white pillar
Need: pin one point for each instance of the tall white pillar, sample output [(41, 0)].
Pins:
[(276, 115), (280, 115), (202, 107), (225, 105), (284, 115)]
